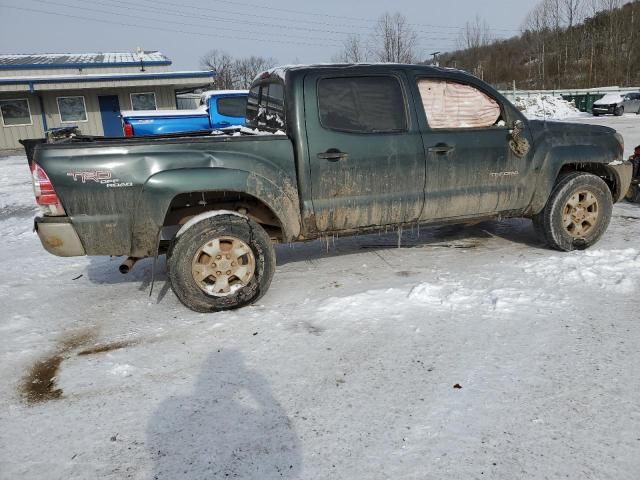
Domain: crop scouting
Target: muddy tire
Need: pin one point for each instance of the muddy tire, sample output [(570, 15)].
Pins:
[(619, 111), (221, 263), (577, 212)]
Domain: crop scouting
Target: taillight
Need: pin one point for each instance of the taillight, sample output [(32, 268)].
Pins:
[(128, 130), (46, 196)]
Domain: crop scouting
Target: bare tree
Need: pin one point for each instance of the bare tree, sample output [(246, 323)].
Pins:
[(353, 51), (476, 34), (394, 40), (246, 69), (572, 11), (222, 64)]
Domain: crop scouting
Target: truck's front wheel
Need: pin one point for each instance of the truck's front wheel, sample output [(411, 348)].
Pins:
[(221, 263), (577, 212)]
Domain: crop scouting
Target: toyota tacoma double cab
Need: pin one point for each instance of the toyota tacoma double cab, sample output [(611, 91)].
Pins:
[(327, 149)]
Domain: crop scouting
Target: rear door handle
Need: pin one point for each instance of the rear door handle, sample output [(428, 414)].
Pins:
[(441, 149), (333, 155)]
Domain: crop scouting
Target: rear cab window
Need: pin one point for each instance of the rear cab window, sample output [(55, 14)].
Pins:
[(266, 106), (454, 105), (362, 104), (232, 106)]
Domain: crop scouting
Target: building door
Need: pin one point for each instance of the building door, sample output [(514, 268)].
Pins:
[(110, 113)]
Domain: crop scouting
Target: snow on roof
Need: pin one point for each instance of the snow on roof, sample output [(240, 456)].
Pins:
[(103, 76), (70, 60), (210, 93)]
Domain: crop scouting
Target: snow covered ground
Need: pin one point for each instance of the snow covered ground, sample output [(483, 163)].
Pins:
[(349, 368)]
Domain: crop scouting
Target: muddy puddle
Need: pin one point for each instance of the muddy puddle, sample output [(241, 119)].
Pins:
[(40, 383)]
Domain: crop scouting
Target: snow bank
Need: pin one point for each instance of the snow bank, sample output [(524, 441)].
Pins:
[(543, 106), (612, 270)]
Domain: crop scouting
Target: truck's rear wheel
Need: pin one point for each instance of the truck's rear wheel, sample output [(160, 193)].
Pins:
[(221, 263), (577, 212)]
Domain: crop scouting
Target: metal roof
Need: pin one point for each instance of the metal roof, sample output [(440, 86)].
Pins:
[(48, 82), (81, 60)]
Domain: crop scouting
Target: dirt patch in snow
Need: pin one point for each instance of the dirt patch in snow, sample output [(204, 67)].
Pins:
[(40, 382), (107, 347)]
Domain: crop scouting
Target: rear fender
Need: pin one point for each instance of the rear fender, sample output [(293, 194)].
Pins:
[(162, 188)]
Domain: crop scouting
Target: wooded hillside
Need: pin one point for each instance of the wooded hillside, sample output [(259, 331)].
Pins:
[(564, 44)]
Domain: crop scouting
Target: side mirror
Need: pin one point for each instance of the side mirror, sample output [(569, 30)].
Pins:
[(517, 127), (518, 143)]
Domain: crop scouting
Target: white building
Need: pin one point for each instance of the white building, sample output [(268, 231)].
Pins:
[(88, 90)]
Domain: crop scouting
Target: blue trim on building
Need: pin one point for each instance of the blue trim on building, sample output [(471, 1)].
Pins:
[(106, 77), (34, 66)]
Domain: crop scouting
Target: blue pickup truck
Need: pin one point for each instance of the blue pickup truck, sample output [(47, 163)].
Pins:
[(218, 109)]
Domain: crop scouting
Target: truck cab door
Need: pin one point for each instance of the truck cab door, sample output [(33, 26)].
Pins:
[(365, 153), (227, 111), (471, 168)]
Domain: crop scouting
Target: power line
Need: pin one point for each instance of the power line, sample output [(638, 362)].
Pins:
[(163, 20), (149, 27), (314, 14), (322, 41), (218, 18)]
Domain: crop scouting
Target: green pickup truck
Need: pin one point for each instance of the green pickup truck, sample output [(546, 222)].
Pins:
[(327, 149)]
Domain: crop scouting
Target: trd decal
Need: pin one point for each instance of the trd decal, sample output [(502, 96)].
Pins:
[(102, 177)]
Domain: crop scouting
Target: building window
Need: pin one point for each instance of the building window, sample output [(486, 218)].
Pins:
[(15, 112), (143, 101), (72, 109), (362, 104)]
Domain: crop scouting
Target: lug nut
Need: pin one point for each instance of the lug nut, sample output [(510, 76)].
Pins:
[(218, 273), (219, 257), (228, 272)]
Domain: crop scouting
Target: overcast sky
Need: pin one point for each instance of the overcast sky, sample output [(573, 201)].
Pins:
[(290, 31)]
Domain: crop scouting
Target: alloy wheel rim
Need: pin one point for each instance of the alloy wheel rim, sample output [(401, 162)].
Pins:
[(581, 214), (223, 265)]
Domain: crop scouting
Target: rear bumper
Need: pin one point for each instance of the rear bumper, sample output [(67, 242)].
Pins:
[(58, 236)]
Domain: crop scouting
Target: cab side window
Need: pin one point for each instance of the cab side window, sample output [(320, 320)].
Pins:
[(450, 105), (362, 104)]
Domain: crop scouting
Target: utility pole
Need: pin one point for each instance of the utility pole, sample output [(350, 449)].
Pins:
[(435, 58)]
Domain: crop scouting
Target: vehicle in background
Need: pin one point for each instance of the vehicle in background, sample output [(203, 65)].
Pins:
[(328, 149), (217, 109), (617, 104)]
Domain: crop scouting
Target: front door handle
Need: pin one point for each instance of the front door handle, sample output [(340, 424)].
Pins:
[(333, 155), (441, 149)]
